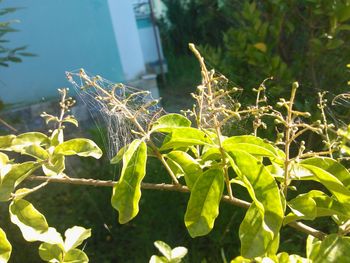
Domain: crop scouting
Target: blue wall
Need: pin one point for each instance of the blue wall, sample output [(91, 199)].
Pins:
[(66, 35)]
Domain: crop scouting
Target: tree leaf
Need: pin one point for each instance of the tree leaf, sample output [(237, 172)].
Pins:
[(333, 248), (71, 119), (203, 206), (157, 259), (5, 247), (331, 166), (80, 147), (334, 185), (178, 253), (32, 223), (119, 156), (315, 204), (267, 212), (163, 248), (55, 166), (253, 145), (127, 192), (29, 138), (51, 252), (13, 177), (189, 166), (6, 142), (35, 151), (168, 122), (75, 256), (75, 236), (184, 137)]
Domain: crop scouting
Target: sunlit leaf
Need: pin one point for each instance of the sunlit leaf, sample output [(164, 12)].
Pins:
[(267, 212), (331, 166), (331, 182), (81, 147), (5, 247), (13, 177), (51, 252), (6, 142), (157, 259), (178, 253), (29, 138), (315, 204), (163, 248), (203, 206), (71, 119), (75, 237), (35, 151), (55, 166), (184, 137), (32, 223), (168, 122), (333, 248), (253, 145), (119, 156), (75, 256), (189, 166), (127, 192)]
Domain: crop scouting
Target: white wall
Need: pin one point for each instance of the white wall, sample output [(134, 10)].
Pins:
[(127, 38)]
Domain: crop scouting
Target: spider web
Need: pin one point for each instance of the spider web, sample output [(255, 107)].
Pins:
[(116, 129)]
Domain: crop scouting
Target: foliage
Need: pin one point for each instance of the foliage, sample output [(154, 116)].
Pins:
[(303, 40), (7, 54), (201, 160)]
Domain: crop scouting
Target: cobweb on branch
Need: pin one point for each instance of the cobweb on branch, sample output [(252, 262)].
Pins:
[(112, 107)]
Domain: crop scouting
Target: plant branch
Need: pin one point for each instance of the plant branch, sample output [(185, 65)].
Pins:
[(169, 187)]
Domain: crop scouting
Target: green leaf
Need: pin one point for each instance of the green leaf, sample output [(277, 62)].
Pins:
[(51, 252), (331, 166), (163, 248), (5, 247), (6, 142), (189, 166), (75, 256), (80, 147), (75, 237), (71, 119), (127, 192), (267, 212), (119, 156), (13, 177), (334, 185), (57, 137), (203, 206), (35, 151), (157, 259), (333, 248), (178, 253), (312, 246), (168, 122), (29, 138), (184, 137), (32, 223), (55, 166), (253, 145), (315, 204)]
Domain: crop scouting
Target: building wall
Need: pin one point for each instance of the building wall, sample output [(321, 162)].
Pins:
[(66, 35)]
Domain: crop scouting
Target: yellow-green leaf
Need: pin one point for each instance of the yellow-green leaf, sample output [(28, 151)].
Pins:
[(81, 147), (189, 166), (203, 206), (184, 137), (13, 177), (5, 247), (168, 122), (127, 192), (261, 46), (6, 142), (75, 236), (51, 252), (333, 248), (32, 223), (29, 138), (75, 256)]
